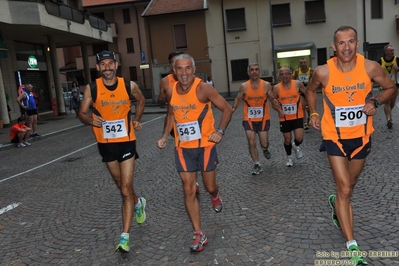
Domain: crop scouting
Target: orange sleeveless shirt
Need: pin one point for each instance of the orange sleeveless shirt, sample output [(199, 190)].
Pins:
[(343, 100), (194, 121), (114, 108), (291, 102), (256, 106), (171, 80)]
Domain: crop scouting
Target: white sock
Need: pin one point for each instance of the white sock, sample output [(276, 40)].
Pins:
[(125, 234), (138, 205), (258, 163), (350, 243)]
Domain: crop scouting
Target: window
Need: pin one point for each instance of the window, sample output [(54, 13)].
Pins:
[(99, 47), (281, 15), (315, 12), (236, 19), (100, 15), (321, 56), (129, 45), (239, 69), (376, 8), (126, 15), (133, 73), (180, 36)]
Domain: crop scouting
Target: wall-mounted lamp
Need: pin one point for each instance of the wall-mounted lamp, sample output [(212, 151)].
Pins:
[(101, 33), (68, 23), (48, 48)]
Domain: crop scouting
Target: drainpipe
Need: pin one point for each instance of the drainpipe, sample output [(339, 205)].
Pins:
[(225, 50), (272, 39), (365, 46), (138, 33)]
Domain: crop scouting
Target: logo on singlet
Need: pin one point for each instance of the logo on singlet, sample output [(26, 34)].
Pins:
[(350, 95)]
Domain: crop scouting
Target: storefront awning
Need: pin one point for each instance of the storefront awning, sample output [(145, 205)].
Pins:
[(295, 46)]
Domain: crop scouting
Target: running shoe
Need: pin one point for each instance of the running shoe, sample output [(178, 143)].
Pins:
[(217, 203), (26, 143), (357, 259), (267, 154), (197, 189), (123, 245), (257, 169), (21, 145), (298, 151), (334, 218), (199, 241), (389, 124), (140, 211), (289, 162), (305, 126)]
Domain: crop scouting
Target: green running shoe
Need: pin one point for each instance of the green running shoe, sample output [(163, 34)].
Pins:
[(357, 259), (140, 212), (123, 245), (331, 202)]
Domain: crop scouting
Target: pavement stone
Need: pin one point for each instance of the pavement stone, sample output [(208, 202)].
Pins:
[(280, 217)]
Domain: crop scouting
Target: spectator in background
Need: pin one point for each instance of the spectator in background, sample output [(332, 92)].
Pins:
[(27, 101), (20, 133), (75, 98)]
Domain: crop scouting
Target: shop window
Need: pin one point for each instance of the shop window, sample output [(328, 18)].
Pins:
[(315, 12), (281, 15), (236, 19), (239, 69)]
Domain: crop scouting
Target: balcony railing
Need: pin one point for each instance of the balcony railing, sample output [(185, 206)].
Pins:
[(58, 9)]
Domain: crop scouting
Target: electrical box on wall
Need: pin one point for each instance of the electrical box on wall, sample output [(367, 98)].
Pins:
[(265, 72)]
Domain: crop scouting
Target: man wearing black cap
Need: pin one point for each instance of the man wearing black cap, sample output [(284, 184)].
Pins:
[(113, 127)]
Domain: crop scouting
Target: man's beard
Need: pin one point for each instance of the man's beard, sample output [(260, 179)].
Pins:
[(106, 77)]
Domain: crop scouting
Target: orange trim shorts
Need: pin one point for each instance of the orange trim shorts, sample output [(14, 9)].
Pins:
[(202, 159), (351, 148)]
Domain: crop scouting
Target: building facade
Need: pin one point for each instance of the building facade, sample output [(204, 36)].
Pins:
[(30, 33)]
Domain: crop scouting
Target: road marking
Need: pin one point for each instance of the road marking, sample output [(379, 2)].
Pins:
[(9, 207), (66, 155)]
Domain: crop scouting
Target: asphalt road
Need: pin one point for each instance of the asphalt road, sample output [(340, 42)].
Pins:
[(59, 206)]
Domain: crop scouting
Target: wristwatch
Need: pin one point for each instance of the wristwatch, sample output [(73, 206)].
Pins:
[(376, 103), (221, 130)]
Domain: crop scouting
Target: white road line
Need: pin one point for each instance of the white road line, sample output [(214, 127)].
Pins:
[(9, 207), (66, 155)]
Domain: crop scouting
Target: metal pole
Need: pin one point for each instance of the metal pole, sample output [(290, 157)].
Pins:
[(272, 39)]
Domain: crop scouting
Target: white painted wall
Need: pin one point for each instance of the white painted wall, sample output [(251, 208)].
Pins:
[(256, 45)]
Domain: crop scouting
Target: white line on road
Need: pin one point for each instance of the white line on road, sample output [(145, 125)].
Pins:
[(66, 155), (9, 207)]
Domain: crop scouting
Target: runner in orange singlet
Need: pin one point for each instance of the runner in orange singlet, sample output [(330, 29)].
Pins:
[(290, 111), (256, 113), (190, 112), (347, 123), (113, 127)]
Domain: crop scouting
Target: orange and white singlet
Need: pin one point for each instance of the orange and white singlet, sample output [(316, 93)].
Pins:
[(256, 106), (343, 100), (290, 102), (194, 121), (114, 108)]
